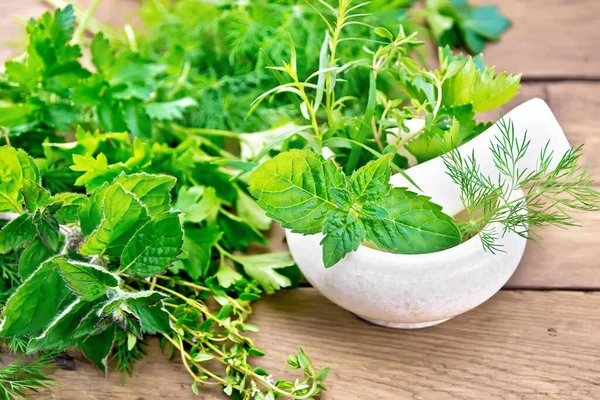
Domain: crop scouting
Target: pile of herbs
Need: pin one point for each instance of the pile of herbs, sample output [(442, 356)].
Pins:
[(215, 52), (116, 226)]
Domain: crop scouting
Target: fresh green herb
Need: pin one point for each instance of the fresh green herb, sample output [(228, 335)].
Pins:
[(549, 194), (457, 23), (23, 376), (434, 114), (308, 195), (99, 289)]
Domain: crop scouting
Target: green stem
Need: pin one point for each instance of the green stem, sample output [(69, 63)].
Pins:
[(85, 20), (5, 132)]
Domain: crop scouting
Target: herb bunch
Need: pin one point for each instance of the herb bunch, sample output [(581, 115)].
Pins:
[(216, 52), (93, 270), (551, 192), (158, 182)]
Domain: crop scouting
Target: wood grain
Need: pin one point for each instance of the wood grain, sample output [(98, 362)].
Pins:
[(566, 258), (519, 345), (548, 39)]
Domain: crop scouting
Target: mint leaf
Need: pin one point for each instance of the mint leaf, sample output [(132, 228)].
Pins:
[(16, 234), (98, 348), (371, 181), (59, 334), (154, 247), (154, 191), (69, 206), (15, 168), (36, 302), (415, 225), (87, 281), (293, 188), (341, 197), (344, 232), (154, 319), (90, 212), (262, 268), (122, 215), (48, 230), (35, 196), (33, 256)]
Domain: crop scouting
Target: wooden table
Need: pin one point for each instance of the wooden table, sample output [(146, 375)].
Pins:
[(537, 339)]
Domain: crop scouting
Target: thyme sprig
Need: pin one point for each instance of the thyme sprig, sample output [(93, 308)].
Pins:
[(202, 335), (551, 192)]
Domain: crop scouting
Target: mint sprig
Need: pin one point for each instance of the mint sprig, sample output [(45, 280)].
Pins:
[(309, 194)]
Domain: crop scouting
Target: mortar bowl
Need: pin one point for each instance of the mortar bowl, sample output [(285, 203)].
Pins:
[(410, 291)]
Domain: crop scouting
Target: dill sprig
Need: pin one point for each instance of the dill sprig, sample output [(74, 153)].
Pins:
[(128, 351), (20, 377), (551, 192)]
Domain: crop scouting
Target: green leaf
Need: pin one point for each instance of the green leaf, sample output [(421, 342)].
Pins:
[(48, 230), (227, 276), (249, 210), (33, 256), (16, 166), (197, 250), (69, 206), (415, 225), (59, 334), (169, 110), (372, 181), (98, 348), (90, 212), (344, 232), (87, 281), (154, 247), (482, 88), (16, 234), (35, 196), (122, 215), (154, 319), (262, 268), (293, 188), (103, 56), (154, 191), (341, 197), (237, 233), (198, 203), (36, 302), (96, 170)]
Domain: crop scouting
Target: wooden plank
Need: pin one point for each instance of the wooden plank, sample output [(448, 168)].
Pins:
[(518, 345), (13, 40), (548, 39), (567, 258)]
